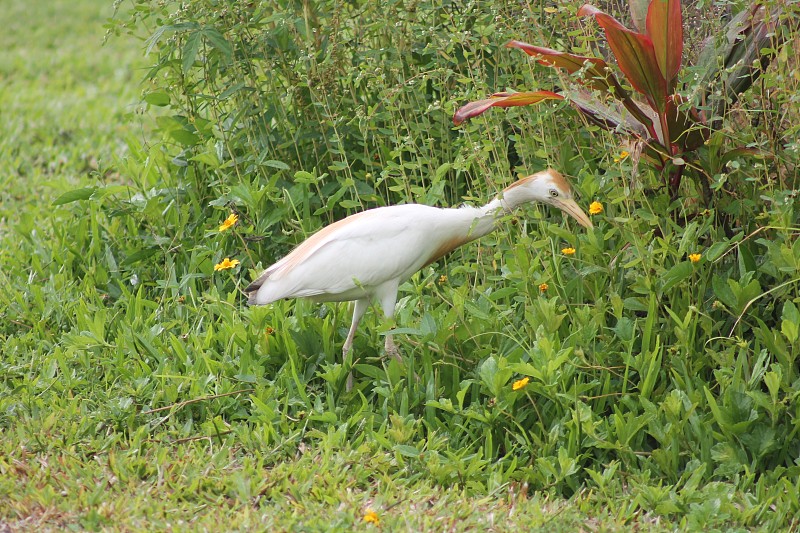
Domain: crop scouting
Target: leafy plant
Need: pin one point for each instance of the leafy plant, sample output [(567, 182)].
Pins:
[(670, 128)]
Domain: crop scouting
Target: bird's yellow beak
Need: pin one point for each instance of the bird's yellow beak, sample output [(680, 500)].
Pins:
[(573, 210)]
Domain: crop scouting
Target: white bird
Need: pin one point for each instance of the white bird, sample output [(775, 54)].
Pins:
[(366, 256)]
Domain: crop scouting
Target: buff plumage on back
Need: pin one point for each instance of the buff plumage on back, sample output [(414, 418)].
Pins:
[(302, 252)]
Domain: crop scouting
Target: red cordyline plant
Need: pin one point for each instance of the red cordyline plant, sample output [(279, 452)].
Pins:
[(669, 128)]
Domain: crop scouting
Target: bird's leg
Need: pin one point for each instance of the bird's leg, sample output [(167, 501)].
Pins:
[(388, 302), (359, 309), (391, 348)]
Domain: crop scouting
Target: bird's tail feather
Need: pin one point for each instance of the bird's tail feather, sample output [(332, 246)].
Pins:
[(252, 289)]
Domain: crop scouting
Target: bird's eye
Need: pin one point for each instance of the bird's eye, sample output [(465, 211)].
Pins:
[(553, 193)]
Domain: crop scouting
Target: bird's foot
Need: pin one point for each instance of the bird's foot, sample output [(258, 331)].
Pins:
[(391, 349)]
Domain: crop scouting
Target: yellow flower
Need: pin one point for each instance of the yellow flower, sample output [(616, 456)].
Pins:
[(229, 222), (694, 258), (595, 208), (226, 264), (543, 287), (568, 251), (623, 155), (372, 516), (442, 279), (520, 383)]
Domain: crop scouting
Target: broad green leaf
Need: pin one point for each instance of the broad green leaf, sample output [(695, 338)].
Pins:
[(75, 195), (407, 451), (723, 291), (302, 176), (139, 255), (635, 56), (474, 109), (328, 417), (665, 29), (280, 165), (190, 48), (157, 98), (217, 41), (183, 137), (676, 274), (159, 32), (716, 250), (790, 321)]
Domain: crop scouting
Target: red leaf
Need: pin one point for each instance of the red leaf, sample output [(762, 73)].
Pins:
[(665, 28), (473, 109), (598, 75), (635, 57)]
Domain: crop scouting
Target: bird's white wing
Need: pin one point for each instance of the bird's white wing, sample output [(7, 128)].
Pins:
[(359, 252)]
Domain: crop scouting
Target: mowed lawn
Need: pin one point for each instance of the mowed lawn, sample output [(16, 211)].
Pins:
[(74, 453), (70, 105)]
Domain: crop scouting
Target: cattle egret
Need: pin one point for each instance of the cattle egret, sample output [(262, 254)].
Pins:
[(366, 256)]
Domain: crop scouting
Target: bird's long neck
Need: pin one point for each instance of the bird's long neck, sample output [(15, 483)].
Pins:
[(469, 223), (504, 203), (486, 217)]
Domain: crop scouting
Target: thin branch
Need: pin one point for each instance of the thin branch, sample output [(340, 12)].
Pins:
[(180, 405)]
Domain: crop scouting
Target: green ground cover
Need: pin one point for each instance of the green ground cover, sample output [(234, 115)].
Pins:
[(139, 392)]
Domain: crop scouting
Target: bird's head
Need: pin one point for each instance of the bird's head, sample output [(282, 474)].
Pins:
[(548, 187)]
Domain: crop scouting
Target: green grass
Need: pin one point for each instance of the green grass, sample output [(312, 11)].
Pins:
[(139, 392)]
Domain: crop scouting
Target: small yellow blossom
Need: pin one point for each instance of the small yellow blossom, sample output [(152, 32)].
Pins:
[(543, 287), (229, 222), (595, 208), (442, 279), (520, 383), (623, 155), (694, 258), (372, 516), (568, 251), (226, 264)]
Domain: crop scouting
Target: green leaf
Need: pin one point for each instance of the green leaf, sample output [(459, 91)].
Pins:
[(716, 250), (139, 255), (190, 48), (159, 32), (280, 165), (676, 274), (474, 109), (407, 451), (790, 321), (217, 41), (157, 98), (723, 291), (75, 195), (301, 176)]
